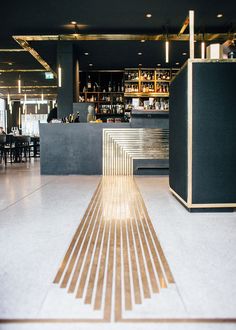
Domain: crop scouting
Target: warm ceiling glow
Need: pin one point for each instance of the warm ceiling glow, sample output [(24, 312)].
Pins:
[(142, 40), (159, 64), (86, 54), (177, 63), (140, 54), (219, 15), (73, 22), (148, 15), (90, 64)]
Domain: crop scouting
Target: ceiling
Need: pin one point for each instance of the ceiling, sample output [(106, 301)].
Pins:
[(53, 17)]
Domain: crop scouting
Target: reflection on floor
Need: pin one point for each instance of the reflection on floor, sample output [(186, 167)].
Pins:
[(115, 263), (115, 252)]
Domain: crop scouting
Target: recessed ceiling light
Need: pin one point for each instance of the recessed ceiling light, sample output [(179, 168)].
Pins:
[(140, 64), (73, 22), (140, 54), (219, 15), (184, 54), (86, 54), (159, 64), (148, 15), (10, 63), (177, 63), (142, 40), (90, 64)]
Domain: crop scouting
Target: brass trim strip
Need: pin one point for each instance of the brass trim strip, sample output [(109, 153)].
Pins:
[(190, 132), (184, 26), (118, 301), (136, 284), (101, 275), (90, 289), (88, 259), (116, 37), (109, 279), (156, 320), (25, 45), (75, 237), (86, 240), (144, 281), (22, 70), (13, 50), (23, 87), (163, 259), (126, 265), (88, 224)]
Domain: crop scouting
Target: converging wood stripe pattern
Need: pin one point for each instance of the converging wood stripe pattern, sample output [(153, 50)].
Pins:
[(115, 260), (122, 146)]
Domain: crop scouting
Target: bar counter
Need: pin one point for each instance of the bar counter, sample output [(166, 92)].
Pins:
[(78, 148)]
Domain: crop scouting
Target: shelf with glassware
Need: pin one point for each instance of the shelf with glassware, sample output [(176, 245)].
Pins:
[(106, 90), (147, 88)]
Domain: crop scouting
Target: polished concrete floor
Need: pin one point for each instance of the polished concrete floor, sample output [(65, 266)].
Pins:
[(85, 252)]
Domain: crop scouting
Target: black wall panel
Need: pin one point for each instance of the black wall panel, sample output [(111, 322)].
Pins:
[(178, 134), (214, 133)]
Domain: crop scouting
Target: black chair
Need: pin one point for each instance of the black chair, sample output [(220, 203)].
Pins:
[(3, 154), (22, 147), (10, 147)]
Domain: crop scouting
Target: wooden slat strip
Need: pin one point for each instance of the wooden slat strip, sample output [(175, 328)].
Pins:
[(75, 237)]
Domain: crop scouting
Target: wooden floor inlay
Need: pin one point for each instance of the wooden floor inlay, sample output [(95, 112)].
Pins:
[(115, 260)]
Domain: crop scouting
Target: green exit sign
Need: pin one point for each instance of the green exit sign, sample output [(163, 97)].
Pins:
[(49, 75)]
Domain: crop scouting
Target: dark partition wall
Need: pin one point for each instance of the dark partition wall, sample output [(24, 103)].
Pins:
[(214, 133), (203, 135), (178, 134)]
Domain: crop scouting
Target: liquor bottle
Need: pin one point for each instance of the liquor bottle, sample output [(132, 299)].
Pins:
[(89, 84), (109, 87), (118, 88)]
